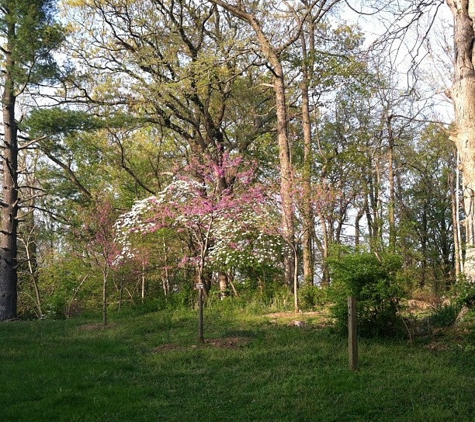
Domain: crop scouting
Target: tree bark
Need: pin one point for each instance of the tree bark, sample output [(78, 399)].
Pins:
[(308, 217), (9, 205), (392, 190), (272, 55), (105, 275), (454, 191), (358, 218), (462, 94)]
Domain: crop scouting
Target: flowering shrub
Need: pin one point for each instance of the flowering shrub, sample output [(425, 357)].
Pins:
[(223, 226), (244, 244)]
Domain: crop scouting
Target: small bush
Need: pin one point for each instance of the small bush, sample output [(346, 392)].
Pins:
[(464, 293), (311, 297), (374, 281)]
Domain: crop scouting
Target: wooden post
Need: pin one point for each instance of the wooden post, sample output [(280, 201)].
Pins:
[(352, 334), (200, 287)]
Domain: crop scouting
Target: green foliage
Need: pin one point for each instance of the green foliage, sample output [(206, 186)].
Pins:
[(373, 280), (32, 36), (311, 297), (160, 302), (57, 121), (464, 293), (444, 316), (68, 287), (425, 229), (261, 276), (270, 296)]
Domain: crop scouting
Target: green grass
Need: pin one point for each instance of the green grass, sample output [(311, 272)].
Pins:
[(63, 371)]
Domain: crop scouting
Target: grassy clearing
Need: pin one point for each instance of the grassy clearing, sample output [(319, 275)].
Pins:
[(252, 368)]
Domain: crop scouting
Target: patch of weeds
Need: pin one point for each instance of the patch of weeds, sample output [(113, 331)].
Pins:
[(444, 316)]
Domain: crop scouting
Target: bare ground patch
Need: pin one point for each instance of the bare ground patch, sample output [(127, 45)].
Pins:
[(220, 343), (302, 319), (96, 326)]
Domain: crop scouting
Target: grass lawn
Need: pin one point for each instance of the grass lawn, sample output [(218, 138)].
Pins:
[(252, 368)]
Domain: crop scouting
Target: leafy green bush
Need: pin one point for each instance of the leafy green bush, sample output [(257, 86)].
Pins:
[(311, 297), (374, 281), (464, 292)]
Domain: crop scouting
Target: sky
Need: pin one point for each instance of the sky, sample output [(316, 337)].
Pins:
[(420, 41)]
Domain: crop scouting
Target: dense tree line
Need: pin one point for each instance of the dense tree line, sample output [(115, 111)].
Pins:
[(232, 144)]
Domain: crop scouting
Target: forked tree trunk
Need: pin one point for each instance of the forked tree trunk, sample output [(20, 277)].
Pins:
[(463, 97)]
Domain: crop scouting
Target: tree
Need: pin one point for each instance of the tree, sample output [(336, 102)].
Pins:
[(273, 55), (28, 37), (462, 94), (211, 223), (425, 233), (181, 62), (178, 59), (101, 249), (332, 60)]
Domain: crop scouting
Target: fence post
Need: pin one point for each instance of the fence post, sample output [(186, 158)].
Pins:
[(352, 334), (200, 287)]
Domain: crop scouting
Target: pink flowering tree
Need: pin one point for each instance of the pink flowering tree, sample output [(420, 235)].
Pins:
[(102, 250), (220, 223)]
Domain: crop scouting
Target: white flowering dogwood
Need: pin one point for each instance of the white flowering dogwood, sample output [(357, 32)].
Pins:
[(229, 227)]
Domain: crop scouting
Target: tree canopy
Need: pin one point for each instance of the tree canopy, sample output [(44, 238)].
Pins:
[(234, 144)]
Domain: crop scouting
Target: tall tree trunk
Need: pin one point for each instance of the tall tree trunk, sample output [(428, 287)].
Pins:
[(424, 241), (325, 249), (166, 275), (463, 97), (286, 173), (457, 204), (308, 223), (223, 285), (272, 56), (358, 218), (454, 192), (392, 190), (105, 275), (9, 223), (142, 282)]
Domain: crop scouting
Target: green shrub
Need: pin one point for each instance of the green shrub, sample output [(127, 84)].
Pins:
[(464, 292), (311, 297), (374, 282)]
